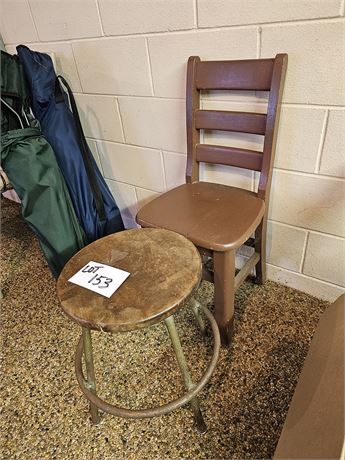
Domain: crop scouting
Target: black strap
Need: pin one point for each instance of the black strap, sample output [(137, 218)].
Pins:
[(12, 120), (13, 115), (58, 93), (90, 171)]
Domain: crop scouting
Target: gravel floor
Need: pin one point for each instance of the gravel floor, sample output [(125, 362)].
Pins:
[(45, 416)]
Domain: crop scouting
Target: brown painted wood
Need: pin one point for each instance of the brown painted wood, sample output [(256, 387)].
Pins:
[(213, 216), (164, 270), (217, 217), (273, 116), (231, 156), (252, 74), (260, 248), (224, 292), (246, 269), (252, 123), (315, 424), (193, 134)]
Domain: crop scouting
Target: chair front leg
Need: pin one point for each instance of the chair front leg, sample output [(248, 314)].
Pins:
[(260, 247), (224, 293)]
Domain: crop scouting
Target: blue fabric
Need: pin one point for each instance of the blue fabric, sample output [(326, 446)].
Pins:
[(58, 127)]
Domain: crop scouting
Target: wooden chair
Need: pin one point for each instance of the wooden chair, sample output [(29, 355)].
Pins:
[(218, 219)]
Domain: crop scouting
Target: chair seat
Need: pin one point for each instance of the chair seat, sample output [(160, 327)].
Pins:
[(213, 216), (164, 269)]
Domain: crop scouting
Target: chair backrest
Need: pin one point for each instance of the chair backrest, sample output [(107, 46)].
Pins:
[(248, 75)]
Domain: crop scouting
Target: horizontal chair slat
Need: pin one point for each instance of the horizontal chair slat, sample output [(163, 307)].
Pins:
[(230, 156), (244, 122), (251, 75)]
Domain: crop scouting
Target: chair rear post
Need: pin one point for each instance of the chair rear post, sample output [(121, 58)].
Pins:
[(193, 134), (272, 123)]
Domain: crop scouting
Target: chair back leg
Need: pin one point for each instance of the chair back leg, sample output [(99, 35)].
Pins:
[(260, 247), (224, 293)]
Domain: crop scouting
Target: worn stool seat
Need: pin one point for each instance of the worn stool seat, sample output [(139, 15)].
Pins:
[(165, 268)]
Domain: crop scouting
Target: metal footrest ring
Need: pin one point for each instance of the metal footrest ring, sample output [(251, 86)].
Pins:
[(155, 411)]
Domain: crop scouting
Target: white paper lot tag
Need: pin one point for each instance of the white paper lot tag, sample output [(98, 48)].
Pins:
[(100, 278)]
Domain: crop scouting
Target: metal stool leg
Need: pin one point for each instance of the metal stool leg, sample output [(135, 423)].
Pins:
[(195, 304), (199, 420), (90, 372)]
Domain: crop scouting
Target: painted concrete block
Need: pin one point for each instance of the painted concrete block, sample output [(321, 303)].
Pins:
[(175, 169), (63, 20), (333, 154), (158, 123), (100, 117), (285, 246), (325, 258), (316, 52), (126, 200), (113, 66), (123, 17), (65, 64), (310, 202), (312, 286), (16, 23), (217, 13), (133, 165), (169, 55), (299, 138)]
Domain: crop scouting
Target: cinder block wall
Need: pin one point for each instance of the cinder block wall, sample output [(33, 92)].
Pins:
[(126, 61)]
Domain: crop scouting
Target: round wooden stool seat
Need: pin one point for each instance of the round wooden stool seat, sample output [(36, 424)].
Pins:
[(164, 269)]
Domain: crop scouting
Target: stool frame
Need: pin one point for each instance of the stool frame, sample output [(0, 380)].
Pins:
[(88, 384)]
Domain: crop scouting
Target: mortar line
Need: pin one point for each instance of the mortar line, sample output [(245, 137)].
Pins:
[(313, 106), (219, 99), (132, 185), (33, 20), (77, 70), (196, 15), (150, 66), (318, 232), (307, 276), (138, 146), (99, 158), (132, 96), (332, 19), (100, 18), (301, 267), (287, 22), (322, 143), (259, 42), (330, 235), (136, 195), (307, 174), (164, 170), (121, 121)]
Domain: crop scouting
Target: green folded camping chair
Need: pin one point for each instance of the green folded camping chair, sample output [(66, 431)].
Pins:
[(30, 164)]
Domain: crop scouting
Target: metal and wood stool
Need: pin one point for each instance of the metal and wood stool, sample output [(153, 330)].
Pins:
[(165, 269)]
